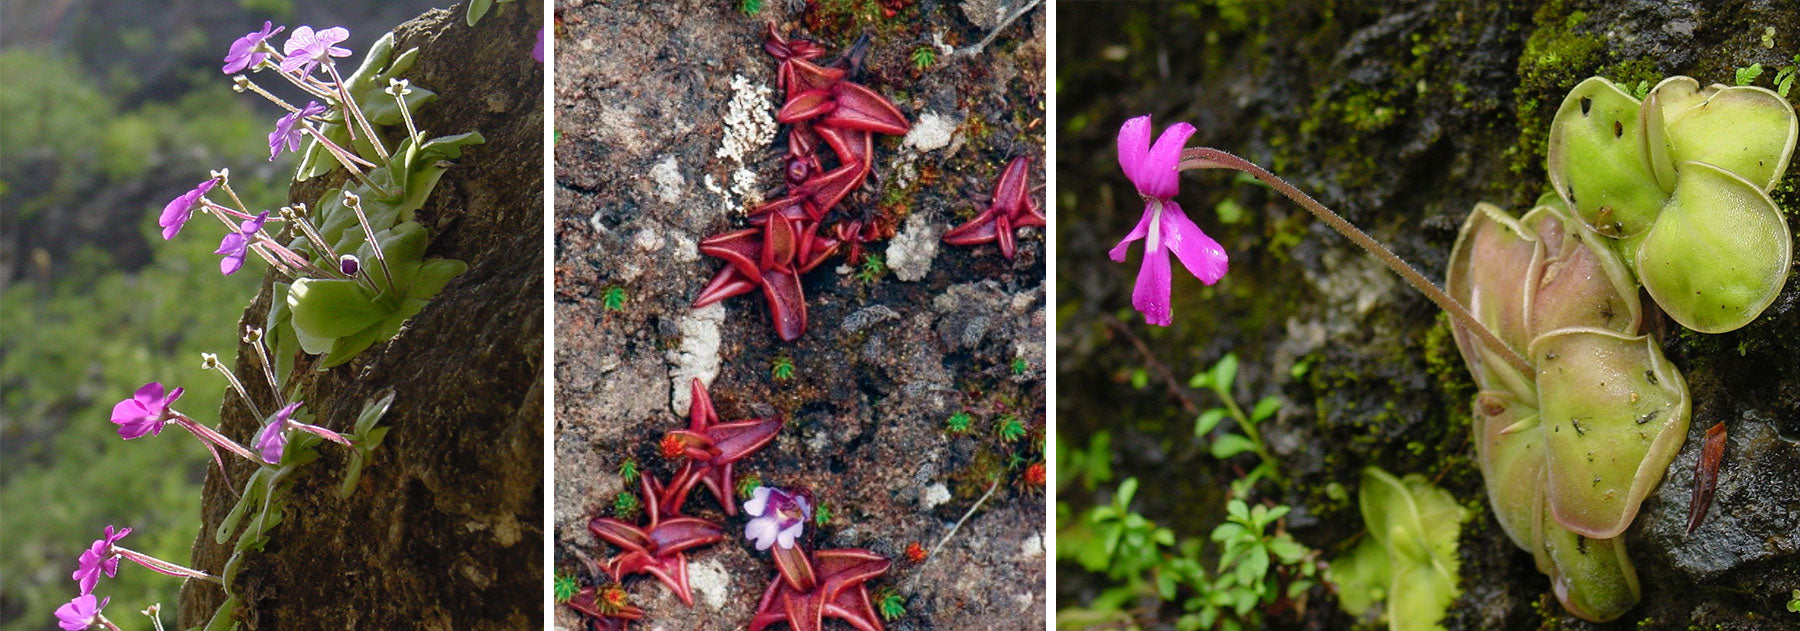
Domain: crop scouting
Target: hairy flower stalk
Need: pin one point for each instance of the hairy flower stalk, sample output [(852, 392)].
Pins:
[(209, 361), (254, 337), (351, 111), (399, 88), (355, 204), (1209, 158), (160, 566)]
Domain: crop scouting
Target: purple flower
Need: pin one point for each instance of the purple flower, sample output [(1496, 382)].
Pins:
[(145, 411), (235, 245), (537, 51), (1152, 169), (777, 517), (176, 213), (81, 613), (305, 49), (244, 53), (98, 558), (289, 131), (271, 440)]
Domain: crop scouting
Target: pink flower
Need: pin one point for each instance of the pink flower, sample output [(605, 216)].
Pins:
[(145, 412), (1166, 228), (777, 517), (244, 52), (177, 212), (235, 246), (289, 130), (81, 613), (272, 439), (306, 49), (98, 558)]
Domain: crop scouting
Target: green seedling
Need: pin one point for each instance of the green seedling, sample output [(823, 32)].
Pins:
[(1409, 559)]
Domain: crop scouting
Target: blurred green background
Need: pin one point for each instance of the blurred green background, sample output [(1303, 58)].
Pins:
[(109, 109)]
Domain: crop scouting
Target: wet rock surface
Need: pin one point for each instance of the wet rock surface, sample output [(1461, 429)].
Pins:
[(444, 529), (1401, 118), (654, 124)]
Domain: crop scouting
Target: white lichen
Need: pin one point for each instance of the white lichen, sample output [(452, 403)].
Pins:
[(749, 126), (698, 355), (910, 252), (669, 183), (931, 132)]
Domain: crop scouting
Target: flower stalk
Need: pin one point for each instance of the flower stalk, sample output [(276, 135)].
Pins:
[(1209, 158)]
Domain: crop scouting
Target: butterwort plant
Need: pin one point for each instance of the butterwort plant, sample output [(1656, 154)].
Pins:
[(351, 265)]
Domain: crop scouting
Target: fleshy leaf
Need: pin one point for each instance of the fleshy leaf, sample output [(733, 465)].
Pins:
[(1509, 445), (1614, 414), (1593, 578), (1489, 270), (1577, 280), (332, 308), (1748, 131), (1595, 160), (1719, 253)]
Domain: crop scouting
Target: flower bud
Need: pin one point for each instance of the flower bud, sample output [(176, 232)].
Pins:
[(348, 264)]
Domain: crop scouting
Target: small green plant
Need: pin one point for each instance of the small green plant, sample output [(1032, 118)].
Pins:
[(958, 423), (822, 516), (923, 57), (1784, 78), (628, 470), (613, 299), (1746, 76), (746, 485), (892, 606), (626, 506), (871, 269), (783, 369), (564, 588), (1220, 379), (1020, 366), (1011, 428), (1794, 605), (1092, 466), (750, 7)]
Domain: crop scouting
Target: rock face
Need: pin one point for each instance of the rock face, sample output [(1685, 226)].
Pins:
[(443, 531), (1401, 117), (882, 365)]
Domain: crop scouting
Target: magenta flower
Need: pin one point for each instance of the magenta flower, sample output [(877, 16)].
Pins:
[(1152, 169), (81, 613), (306, 49), (289, 131), (235, 245), (99, 558), (271, 440), (176, 213), (244, 54), (537, 50), (145, 412), (777, 517)]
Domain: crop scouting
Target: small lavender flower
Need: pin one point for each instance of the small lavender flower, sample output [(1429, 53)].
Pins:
[(537, 50), (99, 558), (176, 213), (235, 245), (244, 52), (288, 130), (306, 49), (81, 613), (777, 517), (1152, 170), (145, 412), (272, 439)]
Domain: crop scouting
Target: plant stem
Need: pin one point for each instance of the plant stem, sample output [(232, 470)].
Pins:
[(1250, 431), (1209, 158), (351, 111)]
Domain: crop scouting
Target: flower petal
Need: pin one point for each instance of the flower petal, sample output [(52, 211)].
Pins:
[(1134, 145), (763, 531), (786, 537), (150, 395), (1202, 256), (1143, 228), (1151, 295), (759, 502), (1157, 176)]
